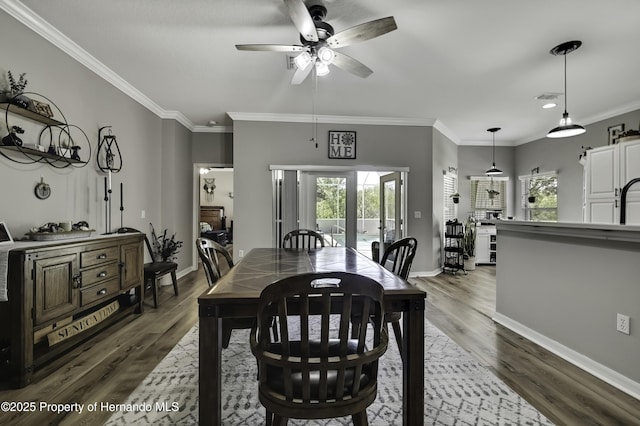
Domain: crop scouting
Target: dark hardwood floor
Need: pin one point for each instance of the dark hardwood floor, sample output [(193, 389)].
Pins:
[(109, 367), (462, 306)]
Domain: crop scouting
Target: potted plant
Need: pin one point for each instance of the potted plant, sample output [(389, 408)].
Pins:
[(164, 248), (469, 244), (492, 193), (455, 197), (16, 88)]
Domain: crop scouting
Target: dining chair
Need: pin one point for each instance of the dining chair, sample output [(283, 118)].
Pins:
[(315, 370), (303, 239), (155, 270), (397, 258), (210, 253)]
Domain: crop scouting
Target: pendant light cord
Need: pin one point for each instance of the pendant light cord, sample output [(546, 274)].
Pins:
[(565, 83), (314, 119)]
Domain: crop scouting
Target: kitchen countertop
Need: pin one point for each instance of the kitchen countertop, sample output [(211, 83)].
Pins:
[(627, 233)]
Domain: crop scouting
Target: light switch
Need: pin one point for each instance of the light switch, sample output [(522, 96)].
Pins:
[(417, 214)]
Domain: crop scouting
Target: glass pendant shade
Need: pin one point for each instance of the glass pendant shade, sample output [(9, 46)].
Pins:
[(303, 60), (493, 170), (566, 128)]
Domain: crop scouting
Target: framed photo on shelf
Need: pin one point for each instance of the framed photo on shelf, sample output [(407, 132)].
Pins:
[(42, 108), (342, 144), (5, 236), (614, 133)]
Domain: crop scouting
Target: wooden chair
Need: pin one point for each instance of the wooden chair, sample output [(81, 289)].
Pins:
[(397, 258), (303, 239), (318, 371), (210, 253), (153, 270)]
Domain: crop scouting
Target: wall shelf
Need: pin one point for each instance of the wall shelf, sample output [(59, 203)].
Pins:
[(30, 114), (64, 130)]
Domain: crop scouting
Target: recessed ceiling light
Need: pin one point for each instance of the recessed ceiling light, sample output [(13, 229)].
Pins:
[(549, 105)]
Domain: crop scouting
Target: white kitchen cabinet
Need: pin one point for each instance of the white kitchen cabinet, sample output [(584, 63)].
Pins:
[(607, 170), (486, 244)]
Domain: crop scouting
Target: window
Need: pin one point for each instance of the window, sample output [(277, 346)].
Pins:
[(488, 194), (450, 187), (540, 197)]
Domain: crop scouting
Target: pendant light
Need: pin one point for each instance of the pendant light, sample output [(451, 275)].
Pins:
[(566, 127), (493, 170)]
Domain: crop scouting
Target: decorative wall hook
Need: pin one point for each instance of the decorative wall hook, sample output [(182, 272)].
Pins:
[(109, 158)]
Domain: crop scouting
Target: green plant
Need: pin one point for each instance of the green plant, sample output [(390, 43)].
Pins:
[(164, 247), (469, 238), (17, 87)]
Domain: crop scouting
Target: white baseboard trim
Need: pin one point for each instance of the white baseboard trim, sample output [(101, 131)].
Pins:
[(425, 273), (587, 364)]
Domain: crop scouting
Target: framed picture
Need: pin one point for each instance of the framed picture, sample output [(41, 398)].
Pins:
[(42, 108), (342, 144), (614, 133), (5, 236)]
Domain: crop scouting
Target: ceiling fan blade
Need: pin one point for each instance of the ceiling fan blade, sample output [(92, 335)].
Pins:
[(301, 75), (362, 32), (351, 65), (271, 47), (302, 19)]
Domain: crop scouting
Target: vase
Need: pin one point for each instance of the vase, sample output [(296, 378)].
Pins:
[(12, 140), (470, 263), (21, 100)]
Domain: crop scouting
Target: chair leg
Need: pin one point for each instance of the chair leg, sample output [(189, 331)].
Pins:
[(175, 282), (268, 417), (279, 420), (154, 290), (360, 419), (397, 331)]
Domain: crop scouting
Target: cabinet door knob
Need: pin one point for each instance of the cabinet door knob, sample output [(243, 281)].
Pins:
[(77, 281)]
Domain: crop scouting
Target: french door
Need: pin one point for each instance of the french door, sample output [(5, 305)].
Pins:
[(391, 208)]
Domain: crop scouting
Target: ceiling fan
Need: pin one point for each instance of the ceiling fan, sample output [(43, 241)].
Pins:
[(319, 41)]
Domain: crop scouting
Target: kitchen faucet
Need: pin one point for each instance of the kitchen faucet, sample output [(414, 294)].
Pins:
[(623, 200)]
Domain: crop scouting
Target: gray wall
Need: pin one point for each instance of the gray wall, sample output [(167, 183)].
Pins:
[(445, 155), (259, 144), (153, 178), (212, 148), (562, 155)]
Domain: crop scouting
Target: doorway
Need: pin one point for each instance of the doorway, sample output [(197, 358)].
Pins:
[(348, 207)]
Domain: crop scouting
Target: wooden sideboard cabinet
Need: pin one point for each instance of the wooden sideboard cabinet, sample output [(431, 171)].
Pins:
[(60, 287)]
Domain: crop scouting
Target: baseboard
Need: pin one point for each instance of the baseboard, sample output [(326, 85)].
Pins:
[(587, 364), (425, 273)]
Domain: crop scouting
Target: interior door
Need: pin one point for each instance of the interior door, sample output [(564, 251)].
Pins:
[(390, 208)]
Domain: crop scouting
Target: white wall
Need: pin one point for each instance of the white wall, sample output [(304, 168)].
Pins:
[(224, 185)]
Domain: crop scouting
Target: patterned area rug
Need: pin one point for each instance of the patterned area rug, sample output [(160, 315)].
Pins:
[(458, 390)]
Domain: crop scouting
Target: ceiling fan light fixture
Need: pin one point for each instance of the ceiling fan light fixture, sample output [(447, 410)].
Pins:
[(322, 69), (326, 55), (303, 60), (493, 170), (566, 128)]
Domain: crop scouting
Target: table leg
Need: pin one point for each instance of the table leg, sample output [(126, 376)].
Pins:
[(413, 368), (210, 377)]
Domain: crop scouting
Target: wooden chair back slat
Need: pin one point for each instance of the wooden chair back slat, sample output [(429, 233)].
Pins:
[(319, 371), (303, 239), (210, 253)]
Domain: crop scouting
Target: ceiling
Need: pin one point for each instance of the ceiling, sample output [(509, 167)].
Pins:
[(467, 65)]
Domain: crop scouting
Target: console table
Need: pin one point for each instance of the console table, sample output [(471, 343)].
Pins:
[(60, 293)]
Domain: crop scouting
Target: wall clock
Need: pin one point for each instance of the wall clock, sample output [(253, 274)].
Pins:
[(42, 190)]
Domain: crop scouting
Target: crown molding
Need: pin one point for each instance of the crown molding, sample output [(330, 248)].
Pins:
[(47, 31), (212, 129), (330, 119)]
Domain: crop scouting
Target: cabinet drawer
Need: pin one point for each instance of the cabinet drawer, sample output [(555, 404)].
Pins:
[(96, 257), (100, 291), (101, 273)]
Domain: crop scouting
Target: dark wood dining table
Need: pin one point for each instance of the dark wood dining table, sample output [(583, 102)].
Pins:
[(236, 296)]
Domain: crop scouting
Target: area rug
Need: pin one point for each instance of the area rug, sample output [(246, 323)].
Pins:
[(458, 390)]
